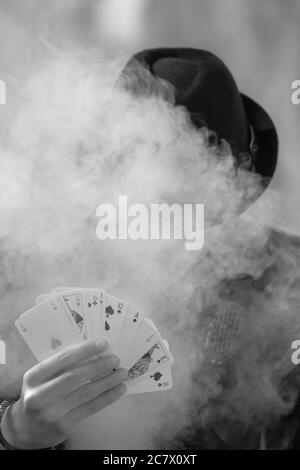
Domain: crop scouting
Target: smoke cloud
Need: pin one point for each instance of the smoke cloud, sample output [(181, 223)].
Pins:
[(80, 138)]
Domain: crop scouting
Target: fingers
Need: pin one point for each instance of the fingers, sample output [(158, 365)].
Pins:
[(72, 379), (92, 390), (95, 369), (99, 403), (64, 360)]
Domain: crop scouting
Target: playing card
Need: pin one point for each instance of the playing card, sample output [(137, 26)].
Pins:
[(156, 356), (47, 329), (165, 341), (112, 320), (154, 381), (147, 344), (43, 297), (72, 301), (131, 324), (93, 306)]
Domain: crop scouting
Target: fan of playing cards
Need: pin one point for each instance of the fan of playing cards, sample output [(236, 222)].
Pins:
[(68, 316)]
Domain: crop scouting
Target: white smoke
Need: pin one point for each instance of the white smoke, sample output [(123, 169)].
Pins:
[(78, 140)]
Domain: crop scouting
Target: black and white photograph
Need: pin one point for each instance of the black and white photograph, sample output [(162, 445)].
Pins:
[(149, 228)]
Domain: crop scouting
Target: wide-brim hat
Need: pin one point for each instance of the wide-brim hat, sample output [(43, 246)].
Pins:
[(205, 86)]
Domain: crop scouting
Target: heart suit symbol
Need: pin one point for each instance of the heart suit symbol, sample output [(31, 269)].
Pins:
[(55, 343)]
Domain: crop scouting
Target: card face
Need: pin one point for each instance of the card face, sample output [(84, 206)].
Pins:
[(165, 341), (47, 329), (156, 356), (157, 380), (112, 320), (73, 302), (93, 306), (131, 324), (146, 337)]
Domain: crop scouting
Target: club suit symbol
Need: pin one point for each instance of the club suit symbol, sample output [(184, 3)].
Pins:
[(156, 376)]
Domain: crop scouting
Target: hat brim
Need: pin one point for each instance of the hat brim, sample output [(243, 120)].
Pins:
[(266, 137)]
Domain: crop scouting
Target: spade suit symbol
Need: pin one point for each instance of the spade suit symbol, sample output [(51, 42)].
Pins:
[(107, 327), (55, 343), (109, 311)]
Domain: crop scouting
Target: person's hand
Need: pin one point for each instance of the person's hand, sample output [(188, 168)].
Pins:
[(60, 392)]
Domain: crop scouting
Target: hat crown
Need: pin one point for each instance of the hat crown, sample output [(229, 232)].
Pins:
[(179, 72)]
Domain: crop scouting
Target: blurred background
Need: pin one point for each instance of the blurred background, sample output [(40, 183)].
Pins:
[(258, 40)]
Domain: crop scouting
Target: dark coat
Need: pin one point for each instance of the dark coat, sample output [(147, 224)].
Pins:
[(258, 404)]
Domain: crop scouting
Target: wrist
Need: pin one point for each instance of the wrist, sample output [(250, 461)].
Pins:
[(11, 428)]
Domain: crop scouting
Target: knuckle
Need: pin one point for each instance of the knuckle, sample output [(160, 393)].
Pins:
[(31, 402), (31, 375), (27, 377), (62, 358)]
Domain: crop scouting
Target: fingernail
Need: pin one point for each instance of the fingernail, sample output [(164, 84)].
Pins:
[(113, 362), (123, 374), (101, 344)]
